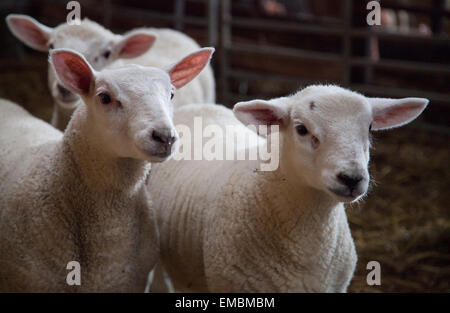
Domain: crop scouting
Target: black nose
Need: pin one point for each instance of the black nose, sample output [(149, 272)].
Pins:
[(349, 180), (165, 138)]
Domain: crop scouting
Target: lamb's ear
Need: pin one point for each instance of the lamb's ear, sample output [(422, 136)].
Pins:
[(73, 71), (29, 31), (188, 68), (261, 112), (389, 113), (134, 44)]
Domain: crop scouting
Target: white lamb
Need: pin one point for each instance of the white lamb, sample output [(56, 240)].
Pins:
[(97, 44), (233, 228), (102, 48), (81, 196)]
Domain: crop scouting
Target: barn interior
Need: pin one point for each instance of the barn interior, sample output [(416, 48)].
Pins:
[(270, 48)]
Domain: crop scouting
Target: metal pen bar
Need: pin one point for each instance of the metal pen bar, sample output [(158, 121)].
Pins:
[(178, 17), (283, 51), (402, 65), (213, 22), (401, 92), (225, 43), (346, 42)]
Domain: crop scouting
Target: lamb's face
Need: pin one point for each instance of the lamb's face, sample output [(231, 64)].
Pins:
[(89, 39), (132, 110), (328, 140), (98, 45), (129, 108), (325, 134)]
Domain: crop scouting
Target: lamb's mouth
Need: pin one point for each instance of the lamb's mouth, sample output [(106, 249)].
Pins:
[(162, 155), (156, 156), (345, 194)]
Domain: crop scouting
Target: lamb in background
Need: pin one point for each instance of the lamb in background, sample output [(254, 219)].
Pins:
[(98, 45), (103, 49), (234, 228), (81, 196)]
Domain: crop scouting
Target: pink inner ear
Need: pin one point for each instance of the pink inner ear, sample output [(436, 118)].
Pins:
[(73, 71), (136, 45), (395, 115), (263, 116), (29, 33), (188, 68)]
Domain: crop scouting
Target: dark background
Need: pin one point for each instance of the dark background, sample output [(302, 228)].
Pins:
[(269, 48)]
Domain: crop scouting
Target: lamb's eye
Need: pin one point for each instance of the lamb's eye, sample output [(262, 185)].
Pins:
[(370, 127), (171, 95), (301, 129), (51, 46), (106, 54), (105, 98)]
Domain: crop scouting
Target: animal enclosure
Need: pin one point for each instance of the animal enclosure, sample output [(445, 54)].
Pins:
[(272, 48)]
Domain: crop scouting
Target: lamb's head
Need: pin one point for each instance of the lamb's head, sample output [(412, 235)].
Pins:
[(129, 108), (325, 134), (98, 45)]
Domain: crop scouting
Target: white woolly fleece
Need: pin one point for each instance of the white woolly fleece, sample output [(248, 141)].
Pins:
[(63, 200)]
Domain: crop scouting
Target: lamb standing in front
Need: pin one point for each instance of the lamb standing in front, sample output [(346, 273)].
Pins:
[(81, 196), (103, 49), (233, 228)]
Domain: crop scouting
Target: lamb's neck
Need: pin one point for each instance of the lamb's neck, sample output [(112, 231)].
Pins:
[(296, 199), (96, 166), (289, 203)]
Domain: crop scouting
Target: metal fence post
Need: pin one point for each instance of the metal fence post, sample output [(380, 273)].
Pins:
[(179, 14), (224, 45), (212, 22), (347, 42)]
